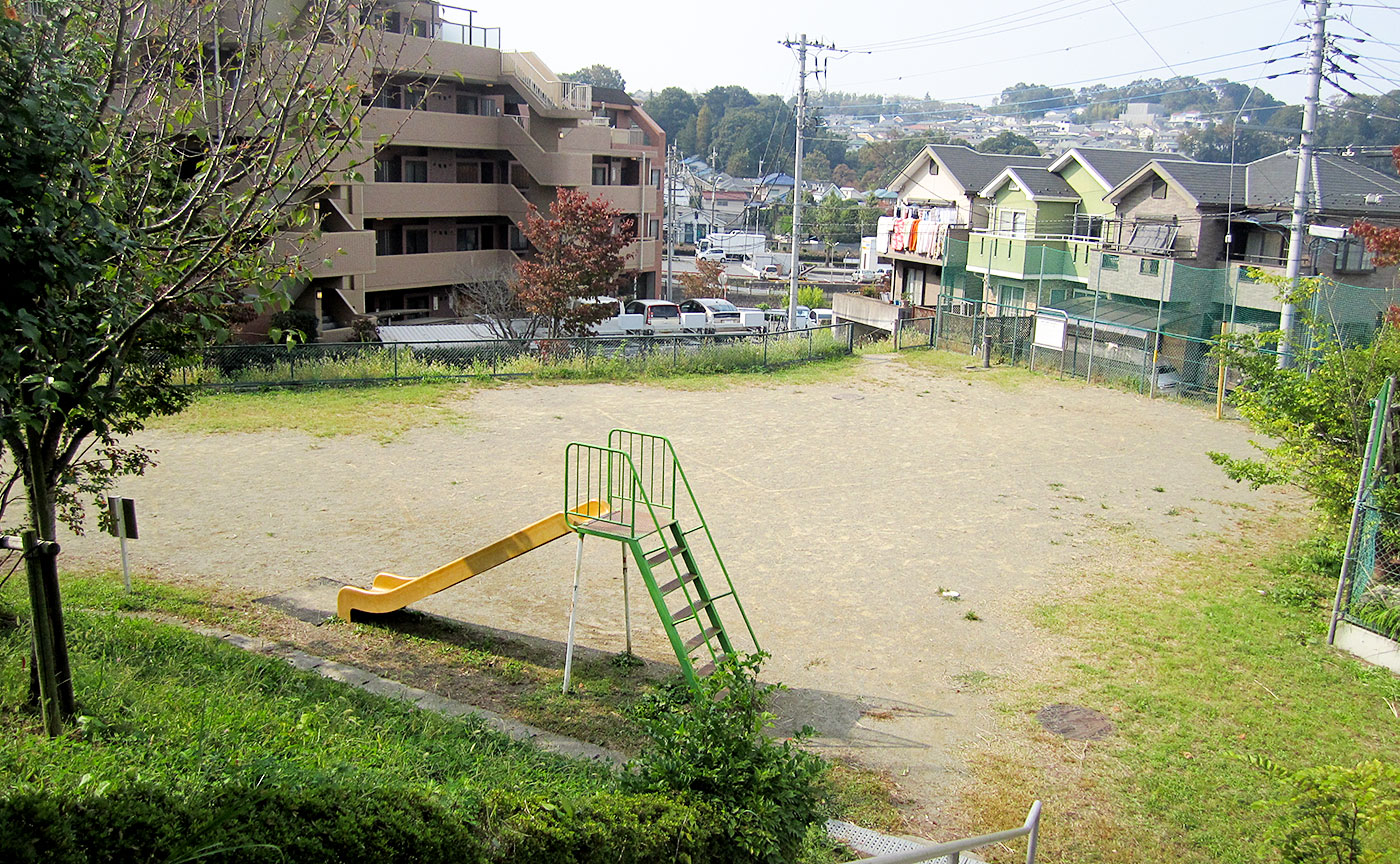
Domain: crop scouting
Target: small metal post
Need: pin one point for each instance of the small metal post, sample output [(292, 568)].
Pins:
[(986, 350), (573, 617), (626, 602), (121, 533)]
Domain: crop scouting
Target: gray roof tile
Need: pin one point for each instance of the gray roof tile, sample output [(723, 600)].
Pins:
[(975, 170)]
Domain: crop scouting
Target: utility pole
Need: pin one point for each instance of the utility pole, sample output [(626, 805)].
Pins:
[(670, 293), (801, 45), (1316, 49)]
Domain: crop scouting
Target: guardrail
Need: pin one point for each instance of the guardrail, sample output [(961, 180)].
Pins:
[(953, 850)]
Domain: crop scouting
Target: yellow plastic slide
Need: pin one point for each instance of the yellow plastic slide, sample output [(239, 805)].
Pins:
[(390, 592)]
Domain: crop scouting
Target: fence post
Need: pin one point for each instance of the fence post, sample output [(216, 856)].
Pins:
[(850, 338), (897, 328), (394, 353), (765, 347), (291, 364)]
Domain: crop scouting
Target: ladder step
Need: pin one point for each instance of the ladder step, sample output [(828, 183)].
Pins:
[(685, 579), (702, 671), (665, 554), (696, 641), (685, 613)]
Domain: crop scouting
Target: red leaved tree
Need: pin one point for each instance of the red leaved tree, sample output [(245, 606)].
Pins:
[(578, 255), (1382, 243)]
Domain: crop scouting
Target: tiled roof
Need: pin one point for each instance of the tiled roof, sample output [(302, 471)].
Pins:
[(612, 96), (1115, 166), (1207, 182), (975, 170), (1040, 183), (1335, 185)]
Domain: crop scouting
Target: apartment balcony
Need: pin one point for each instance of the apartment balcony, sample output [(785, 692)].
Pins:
[(404, 52), (427, 200), (1034, 256), (628, 199), (333, 253), (436, 268), (953, 251), (641, 254)]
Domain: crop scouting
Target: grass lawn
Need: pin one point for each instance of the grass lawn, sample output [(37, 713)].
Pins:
[(1204, 659)]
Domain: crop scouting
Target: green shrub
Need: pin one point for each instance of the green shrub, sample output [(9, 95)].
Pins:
[(712, 745), (1333, 814), (812, 297), (295, 325)]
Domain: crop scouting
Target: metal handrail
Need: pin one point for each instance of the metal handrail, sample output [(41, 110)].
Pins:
[(677, 472), (953, 849)]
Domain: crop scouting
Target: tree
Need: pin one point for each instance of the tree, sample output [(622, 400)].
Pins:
[(491, 297), (599, 76), (704, 281), (842, 175), (1010, 143), (146, 179), (1032, 100), (1318, 411), (578, 256), (1221, 142), (672, 108)]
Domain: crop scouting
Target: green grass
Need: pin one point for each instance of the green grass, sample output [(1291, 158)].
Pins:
[(382, 412), (1203, 659), (967, 367)]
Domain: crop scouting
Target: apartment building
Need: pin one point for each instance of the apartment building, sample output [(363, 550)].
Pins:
[(472, 136)]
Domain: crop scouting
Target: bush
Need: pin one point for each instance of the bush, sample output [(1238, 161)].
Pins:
[(296, 325), (711, 745), (812, 297), (1333, 814), (336, 823)]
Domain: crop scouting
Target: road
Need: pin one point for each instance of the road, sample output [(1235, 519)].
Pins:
[(735, 271)]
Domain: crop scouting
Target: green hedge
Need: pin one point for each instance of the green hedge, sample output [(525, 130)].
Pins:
[(338, 823)]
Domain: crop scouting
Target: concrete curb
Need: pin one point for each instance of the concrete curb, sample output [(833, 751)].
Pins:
[(560, 745)]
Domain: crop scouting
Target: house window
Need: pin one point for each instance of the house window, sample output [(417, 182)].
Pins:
[(656, 177), (388, 241), (415, 170), (653, 228), (1012, 295), (1012, 222), (416, 97), (1149, 266), (418, 27), (468, 104), (1109, 262), (932, 168), (1159, 188), (415, 240), (468, 238), (1086, 225), (1353, 257)]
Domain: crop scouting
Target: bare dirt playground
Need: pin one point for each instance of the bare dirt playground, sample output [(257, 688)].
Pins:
[(843, 509)]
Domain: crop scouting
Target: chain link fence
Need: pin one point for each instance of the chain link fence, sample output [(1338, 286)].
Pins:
[(252, 366), (1372, 599), (1150, 360)]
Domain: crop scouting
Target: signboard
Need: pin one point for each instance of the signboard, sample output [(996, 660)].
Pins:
[(123, 512), (1050, 330)]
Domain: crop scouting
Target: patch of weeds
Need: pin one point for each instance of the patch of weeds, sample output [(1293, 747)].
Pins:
[(972, 616), (973, 680), (1056, 486), (1159, 489), (1173, 511), (626, 661)]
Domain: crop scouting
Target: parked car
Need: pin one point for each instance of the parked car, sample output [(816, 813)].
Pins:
[(823, 317), (866, 276), (1166, 379), (769, 271), (718, 312), (657, 315), (710, 255)]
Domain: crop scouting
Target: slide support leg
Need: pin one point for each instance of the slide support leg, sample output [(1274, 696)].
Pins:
[(573, 616), (626, 602)]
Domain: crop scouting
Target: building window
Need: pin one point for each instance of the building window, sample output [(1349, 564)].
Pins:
[(653, 228), (415, 170), (1159, 188), (1109, 262), (416, 97), (1353, 257), (600, 175), (1012, 222), (517, 240), (468, 104), (386, 170), (932, 168), (468, 238), (388, 241), (1086, 225), (418, 27), (656, 177), (415, 240), (1149, 266), (468, 172)]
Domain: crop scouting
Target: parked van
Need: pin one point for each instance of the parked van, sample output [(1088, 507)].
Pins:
[(659, 316)]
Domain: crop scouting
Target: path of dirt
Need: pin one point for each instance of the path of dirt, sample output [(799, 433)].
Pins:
[(842, 508)]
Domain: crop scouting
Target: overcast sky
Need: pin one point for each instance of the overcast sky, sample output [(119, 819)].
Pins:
[(966, 50)]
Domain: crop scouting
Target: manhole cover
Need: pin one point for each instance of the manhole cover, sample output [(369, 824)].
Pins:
[(855, 397), (1074, 721)]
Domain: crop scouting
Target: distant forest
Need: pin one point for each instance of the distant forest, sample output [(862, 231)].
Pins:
[(748, 133)]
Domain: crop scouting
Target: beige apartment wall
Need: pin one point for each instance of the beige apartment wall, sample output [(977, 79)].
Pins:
[(426, 200), (435, 268)]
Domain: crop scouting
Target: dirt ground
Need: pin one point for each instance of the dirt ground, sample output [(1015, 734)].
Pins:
[(843, 509)]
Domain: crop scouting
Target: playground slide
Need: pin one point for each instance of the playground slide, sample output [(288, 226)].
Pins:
[(390, 592)]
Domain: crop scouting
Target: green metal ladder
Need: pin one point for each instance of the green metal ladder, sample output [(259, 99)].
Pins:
[(653, 513)]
